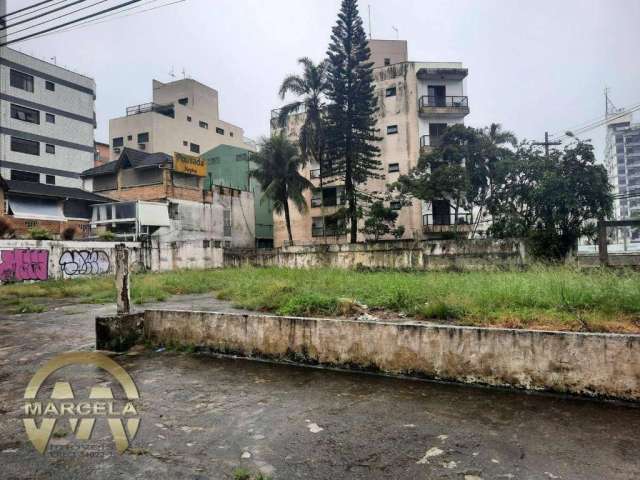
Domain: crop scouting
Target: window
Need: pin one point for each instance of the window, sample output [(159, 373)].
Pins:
[(394, 167), (25, 176), (220, 130), (21, 80), (316, 197), (392, 129), (231, 134), (51, 179), (50, 148), (188, 118), (390, 92), (395, 205), (387, 62), (117, 142), (203, 124), (50, 117), (183, 101), (25, 114), (25, 146), (436, 130), (50, 86), (195, 148), (174, 211), (129, 137), (185, 143), (226, 221), (143, 137)]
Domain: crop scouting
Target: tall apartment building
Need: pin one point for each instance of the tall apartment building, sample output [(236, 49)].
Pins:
[(47, 121), (623, 164), (183, 117), (417, 101)]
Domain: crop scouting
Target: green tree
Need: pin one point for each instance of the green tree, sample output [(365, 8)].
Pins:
[(551, 202), (351, 124), (278, 166), (381, 221)]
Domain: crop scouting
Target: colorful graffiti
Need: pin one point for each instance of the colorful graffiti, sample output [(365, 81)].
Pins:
[(84, 262), (21, 264)]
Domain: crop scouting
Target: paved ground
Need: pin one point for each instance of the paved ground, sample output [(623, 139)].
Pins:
[(202, 417)]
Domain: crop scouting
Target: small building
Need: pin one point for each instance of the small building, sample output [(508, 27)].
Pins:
[(136, 180), (101, 154), (230, 166)]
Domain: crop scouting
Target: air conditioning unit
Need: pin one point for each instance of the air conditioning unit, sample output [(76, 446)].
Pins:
[(116, 150), (142, 146)]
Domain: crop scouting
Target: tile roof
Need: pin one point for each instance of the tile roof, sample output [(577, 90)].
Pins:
[(135, 158), (45, 190)]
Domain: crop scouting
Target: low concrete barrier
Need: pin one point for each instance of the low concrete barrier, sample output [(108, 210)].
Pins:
[(602, 365)]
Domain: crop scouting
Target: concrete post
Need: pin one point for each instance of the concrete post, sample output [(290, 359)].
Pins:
[(123, 296), (602, 242)]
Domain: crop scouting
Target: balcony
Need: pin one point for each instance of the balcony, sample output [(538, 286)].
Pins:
[(447, 223), (167, 110), (457, 106), (429, 141)]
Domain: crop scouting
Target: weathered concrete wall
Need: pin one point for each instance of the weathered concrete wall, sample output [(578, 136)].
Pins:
[(605, 365), (35, 260), (423, 255), (615, 260)]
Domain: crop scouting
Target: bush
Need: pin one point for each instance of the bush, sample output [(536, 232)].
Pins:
[(37, 233), (6, 227), (107, 236), (69, 232)]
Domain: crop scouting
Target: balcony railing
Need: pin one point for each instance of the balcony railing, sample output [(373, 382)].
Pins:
[(442, 101), (448, 222), (166, 109), (427, 141)]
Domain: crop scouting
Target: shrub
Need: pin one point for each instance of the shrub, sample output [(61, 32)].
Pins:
[(69, 232), (6, 227), (38, 233), (107, 236)]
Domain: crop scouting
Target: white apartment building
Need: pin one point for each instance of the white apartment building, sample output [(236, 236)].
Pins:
[(47, 121), (417, 101), (183, 117)]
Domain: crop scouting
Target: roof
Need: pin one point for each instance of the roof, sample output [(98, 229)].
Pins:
[(3, 184), (134, 158), (44, 190)]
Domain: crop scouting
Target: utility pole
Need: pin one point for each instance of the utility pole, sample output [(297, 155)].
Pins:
[(370, 37), (547, 144)]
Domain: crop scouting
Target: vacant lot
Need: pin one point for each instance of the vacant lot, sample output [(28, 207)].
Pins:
[(541, 298)]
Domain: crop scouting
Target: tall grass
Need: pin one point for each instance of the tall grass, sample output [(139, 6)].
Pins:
[(541, 297)]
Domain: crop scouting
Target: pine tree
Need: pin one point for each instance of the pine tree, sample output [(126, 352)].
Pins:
[(351, 153)]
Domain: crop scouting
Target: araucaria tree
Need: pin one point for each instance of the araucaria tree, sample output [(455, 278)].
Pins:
[(278, 166), (351, 151)]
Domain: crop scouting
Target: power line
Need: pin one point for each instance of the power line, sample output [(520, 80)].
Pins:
[(43, 15), (27, 8), (602, 121), (59, 16), (100, 20), (71, 22)]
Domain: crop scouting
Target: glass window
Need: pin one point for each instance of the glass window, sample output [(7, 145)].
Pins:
[(51, 179), (220, 130), (50, 148), (50, 86), (50, 117), (25, 176), (394, 167), (143, 137), (195, 148), (227, 222), (117, 142), (395, 205), (387, 62), (392, 129), (204, 125), (183, 101), (390, 92), (188, 118), (25, 146), (185, 143), (25, 114), (21, 80)]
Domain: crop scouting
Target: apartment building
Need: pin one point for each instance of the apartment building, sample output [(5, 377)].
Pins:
[(417, 101), (183, 117)]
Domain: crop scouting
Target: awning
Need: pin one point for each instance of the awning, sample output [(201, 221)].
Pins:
[(35, 208), (153, 214)]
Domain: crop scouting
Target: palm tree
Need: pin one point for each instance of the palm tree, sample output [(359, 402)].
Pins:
[(278, 171)]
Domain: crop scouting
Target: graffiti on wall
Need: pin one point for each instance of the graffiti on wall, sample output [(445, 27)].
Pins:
[(20, 264), (84, 262)]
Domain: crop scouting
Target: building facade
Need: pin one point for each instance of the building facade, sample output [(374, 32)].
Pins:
[(183, 117), (229, 166), (416, 101), (47, 121)]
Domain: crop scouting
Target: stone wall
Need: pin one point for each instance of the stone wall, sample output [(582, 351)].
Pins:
[(602, 365), (403, 254)]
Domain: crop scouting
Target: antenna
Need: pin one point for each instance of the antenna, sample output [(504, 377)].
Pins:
[(395, 29), (54, 60), (370, 37), (172, 73), (184, 73)]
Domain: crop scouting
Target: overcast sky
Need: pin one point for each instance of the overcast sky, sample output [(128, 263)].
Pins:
[(533, 65)]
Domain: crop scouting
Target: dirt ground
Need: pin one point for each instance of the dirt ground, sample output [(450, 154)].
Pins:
[(202, 417)]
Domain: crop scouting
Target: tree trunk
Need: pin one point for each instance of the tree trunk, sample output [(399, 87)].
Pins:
[(287, 220), (353, 215)]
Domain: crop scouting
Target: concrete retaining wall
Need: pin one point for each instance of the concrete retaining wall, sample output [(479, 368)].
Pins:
[(403, 254), (606, 365)]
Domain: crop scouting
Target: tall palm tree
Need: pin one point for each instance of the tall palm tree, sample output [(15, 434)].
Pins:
[(278, 171)]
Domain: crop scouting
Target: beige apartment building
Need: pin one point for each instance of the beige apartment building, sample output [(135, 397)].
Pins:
[(417, 101), (183, 117)]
